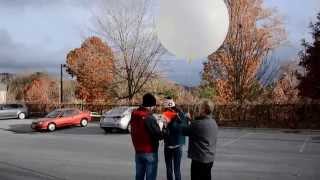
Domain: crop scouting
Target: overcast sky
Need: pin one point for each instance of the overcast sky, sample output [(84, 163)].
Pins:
[(36, 35)]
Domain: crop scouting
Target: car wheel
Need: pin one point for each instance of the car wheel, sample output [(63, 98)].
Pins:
[(83, 122), (51, 127), (22, 116)]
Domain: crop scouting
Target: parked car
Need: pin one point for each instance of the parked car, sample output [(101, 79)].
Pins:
[(62, 118), (118, 118), (8, 111)]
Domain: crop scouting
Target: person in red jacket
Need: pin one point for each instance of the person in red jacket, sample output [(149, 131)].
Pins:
[(145, 135)]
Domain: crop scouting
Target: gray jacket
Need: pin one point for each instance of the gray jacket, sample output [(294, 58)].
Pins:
[(202, 139)]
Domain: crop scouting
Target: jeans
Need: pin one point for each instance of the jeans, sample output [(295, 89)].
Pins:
[(201, 170), (173, 156), (146, 166)]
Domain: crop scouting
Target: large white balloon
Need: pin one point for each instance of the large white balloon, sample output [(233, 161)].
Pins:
[(192, 29)]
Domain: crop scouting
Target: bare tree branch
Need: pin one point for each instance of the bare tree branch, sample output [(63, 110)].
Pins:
[(128, 26)]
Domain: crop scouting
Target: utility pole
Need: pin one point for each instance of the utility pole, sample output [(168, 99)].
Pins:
[(61, 82)]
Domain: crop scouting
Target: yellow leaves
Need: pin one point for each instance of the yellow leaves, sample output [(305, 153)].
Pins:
[(224, 94)]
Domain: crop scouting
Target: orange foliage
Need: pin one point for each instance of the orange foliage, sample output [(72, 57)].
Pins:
[(253, 32), (92, 65), (41, 90), (286, 90)]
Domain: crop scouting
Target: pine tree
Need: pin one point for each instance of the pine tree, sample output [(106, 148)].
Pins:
[(310, 59)]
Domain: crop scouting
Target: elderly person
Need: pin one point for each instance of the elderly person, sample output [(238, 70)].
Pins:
[(202, 132)]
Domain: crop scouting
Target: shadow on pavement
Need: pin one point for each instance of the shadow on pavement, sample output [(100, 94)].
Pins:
[(92, 129), (315, 139), (21, 129), (11, 171)]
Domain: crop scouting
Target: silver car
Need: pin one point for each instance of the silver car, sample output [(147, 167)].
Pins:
[(8, 111), (116, 118), (119, 118)]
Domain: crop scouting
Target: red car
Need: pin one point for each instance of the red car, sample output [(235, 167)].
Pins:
[(62, 118)]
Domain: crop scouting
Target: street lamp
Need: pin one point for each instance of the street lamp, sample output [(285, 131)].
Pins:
[(61, 81)]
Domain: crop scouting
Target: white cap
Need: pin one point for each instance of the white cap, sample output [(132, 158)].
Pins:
[(169, 103)]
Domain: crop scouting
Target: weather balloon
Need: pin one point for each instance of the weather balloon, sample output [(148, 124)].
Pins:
[(192, 29)]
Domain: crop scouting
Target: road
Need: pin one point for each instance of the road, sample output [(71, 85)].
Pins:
[(88, 153)]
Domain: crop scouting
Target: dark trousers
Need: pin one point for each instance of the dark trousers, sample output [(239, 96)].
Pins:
[(173, 161), (146, 166), (200, 171)]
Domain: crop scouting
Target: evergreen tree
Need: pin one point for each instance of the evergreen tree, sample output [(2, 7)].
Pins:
[(310, 59)]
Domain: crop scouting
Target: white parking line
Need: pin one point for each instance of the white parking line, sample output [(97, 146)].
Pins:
[(304, 144), (235, 140)]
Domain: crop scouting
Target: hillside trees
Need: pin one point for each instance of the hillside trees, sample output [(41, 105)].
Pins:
[(41, 90)]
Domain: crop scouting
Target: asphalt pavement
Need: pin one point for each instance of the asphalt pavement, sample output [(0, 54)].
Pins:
[(87, 153)]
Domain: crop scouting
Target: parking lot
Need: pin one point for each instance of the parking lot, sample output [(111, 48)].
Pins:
[(88, 153)]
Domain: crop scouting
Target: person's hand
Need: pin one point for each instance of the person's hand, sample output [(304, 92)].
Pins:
[(188, 116), (165, 124)]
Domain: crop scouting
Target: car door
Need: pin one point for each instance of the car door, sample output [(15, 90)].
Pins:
[(76, 117), (2, 112), (67, 118), (8, 111), (13, 110)]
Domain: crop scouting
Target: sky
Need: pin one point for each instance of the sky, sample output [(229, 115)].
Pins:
[(36, 35)]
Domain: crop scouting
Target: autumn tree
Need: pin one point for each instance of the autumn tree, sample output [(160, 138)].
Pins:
[(17, 83), (92, 65), (310, 60), (128, 25), (285, 90), (41, 90), (232, 70)]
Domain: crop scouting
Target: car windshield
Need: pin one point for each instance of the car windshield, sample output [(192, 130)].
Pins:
[(54, 114), (117, 111)]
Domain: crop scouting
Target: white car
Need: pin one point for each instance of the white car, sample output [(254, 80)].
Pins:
[(118, 118)]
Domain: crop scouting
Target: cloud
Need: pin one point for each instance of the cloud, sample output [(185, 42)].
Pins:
[(41, 3), (36, 35), (17, 56)]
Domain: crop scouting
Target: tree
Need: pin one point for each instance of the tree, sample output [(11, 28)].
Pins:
[(69, 91), (17, 84), (41, 90), (285, 90), (129, 26), (92, 65), (206, 92), (310, 59), (254, 32)]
